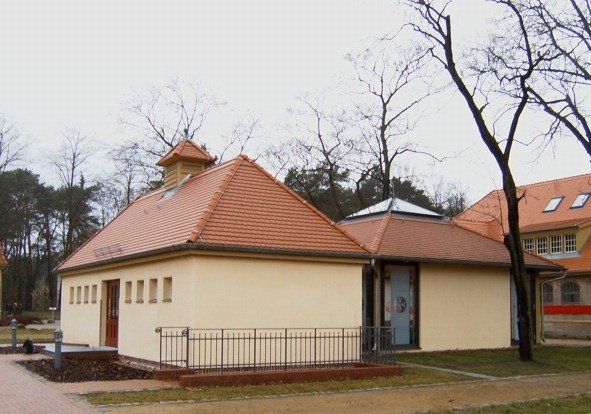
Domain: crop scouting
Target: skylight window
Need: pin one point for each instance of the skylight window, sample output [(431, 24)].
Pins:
[(553, 204), (580, 200)]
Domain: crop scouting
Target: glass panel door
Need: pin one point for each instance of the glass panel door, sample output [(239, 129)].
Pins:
[(400, 303)]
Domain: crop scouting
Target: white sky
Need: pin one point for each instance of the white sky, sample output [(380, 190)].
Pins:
[(73, 64)]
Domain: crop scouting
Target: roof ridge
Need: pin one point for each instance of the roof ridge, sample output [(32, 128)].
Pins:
[(96, 233), (213, 203), (379, 235), (306, 203), (572, 177)]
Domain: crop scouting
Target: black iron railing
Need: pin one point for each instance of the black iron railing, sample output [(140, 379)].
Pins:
[(211, 350)]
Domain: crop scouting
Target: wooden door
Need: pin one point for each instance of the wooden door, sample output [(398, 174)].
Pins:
[(112, 314)]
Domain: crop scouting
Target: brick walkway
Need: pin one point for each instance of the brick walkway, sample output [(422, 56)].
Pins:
[(21, 392)]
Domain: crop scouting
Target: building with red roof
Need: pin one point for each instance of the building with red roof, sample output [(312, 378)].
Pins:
[(227, 245), (432, 280), (218, 246), (555, 223)]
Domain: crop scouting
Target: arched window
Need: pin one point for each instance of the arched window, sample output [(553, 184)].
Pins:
[(571, 293), (548, 294)]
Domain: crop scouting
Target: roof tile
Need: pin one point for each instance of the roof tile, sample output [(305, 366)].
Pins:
[(233, 204)]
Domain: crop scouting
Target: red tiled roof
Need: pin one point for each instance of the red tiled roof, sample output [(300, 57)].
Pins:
[(236, 204), (429, 240), (3, 260), (488, 216), (492, 207), (186, 150)]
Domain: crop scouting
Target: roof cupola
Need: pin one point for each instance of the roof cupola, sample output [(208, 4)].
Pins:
[(185, 158)]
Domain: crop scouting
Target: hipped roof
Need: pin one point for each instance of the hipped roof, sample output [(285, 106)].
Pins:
[(232, 206), (426, 240)]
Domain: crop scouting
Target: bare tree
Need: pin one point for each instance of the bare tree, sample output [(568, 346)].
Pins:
[(11, 144), (496, 77), (562, 87), (243, 133), (392, 87), (159, 120), (76, 197)]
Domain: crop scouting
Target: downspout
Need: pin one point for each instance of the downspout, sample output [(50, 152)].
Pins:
[(542, 284)]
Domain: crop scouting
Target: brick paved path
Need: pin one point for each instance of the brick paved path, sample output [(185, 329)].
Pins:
[(22, 393)]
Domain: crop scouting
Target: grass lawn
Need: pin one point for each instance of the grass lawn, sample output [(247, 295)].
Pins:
[(37, 336), (569, 405), (505, 362), (411, 376)]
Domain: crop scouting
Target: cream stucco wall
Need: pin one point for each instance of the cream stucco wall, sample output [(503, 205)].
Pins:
[(217, 292), (463, 307)]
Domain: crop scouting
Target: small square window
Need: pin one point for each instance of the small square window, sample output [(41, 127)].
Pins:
[(555, 244), (86, 293), (542, 245), (72, 294), (128, 292), (553, 204), (580, 200), (528, 245), (94, 292), (167, 290), (570, 243), (153, 292), (78, 294), (139, 294)]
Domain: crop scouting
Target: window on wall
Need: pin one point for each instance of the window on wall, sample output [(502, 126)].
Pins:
[(555, 244), (571, 293), (553, 204), (153, 290), (78, 294), (548, 294), (72, 294), (86, 293), (127, 292), (542, 245), (528, 245), (94, 293), (167, 289), (139, 295), (570, 243)]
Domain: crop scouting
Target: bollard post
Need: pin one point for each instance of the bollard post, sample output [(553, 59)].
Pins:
[(57, 356), (13, 331)]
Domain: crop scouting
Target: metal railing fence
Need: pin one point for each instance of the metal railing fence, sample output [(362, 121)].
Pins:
[(219, 350)]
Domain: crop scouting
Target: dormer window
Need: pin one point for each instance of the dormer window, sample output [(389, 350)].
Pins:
[(580, 200), (553, 204)]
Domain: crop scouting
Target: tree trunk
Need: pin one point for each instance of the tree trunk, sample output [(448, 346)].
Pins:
[(512, 241)]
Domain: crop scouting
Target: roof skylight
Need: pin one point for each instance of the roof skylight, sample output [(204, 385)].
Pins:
[(553, 204), (580, 200)]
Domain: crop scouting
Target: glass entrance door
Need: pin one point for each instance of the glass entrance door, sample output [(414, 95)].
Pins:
[(400, 303)]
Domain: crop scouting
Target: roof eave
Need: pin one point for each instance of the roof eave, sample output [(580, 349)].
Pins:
[(463, 262), (215, 247)]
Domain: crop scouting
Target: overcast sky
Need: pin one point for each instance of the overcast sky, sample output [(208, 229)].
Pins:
[(74, 64)]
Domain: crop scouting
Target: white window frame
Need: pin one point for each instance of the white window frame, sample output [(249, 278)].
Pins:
[(555, 244), (529, 244), (570, 243), (542, 242)]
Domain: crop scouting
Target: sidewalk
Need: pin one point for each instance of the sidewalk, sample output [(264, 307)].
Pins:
[(398, 400), (23, 393)]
